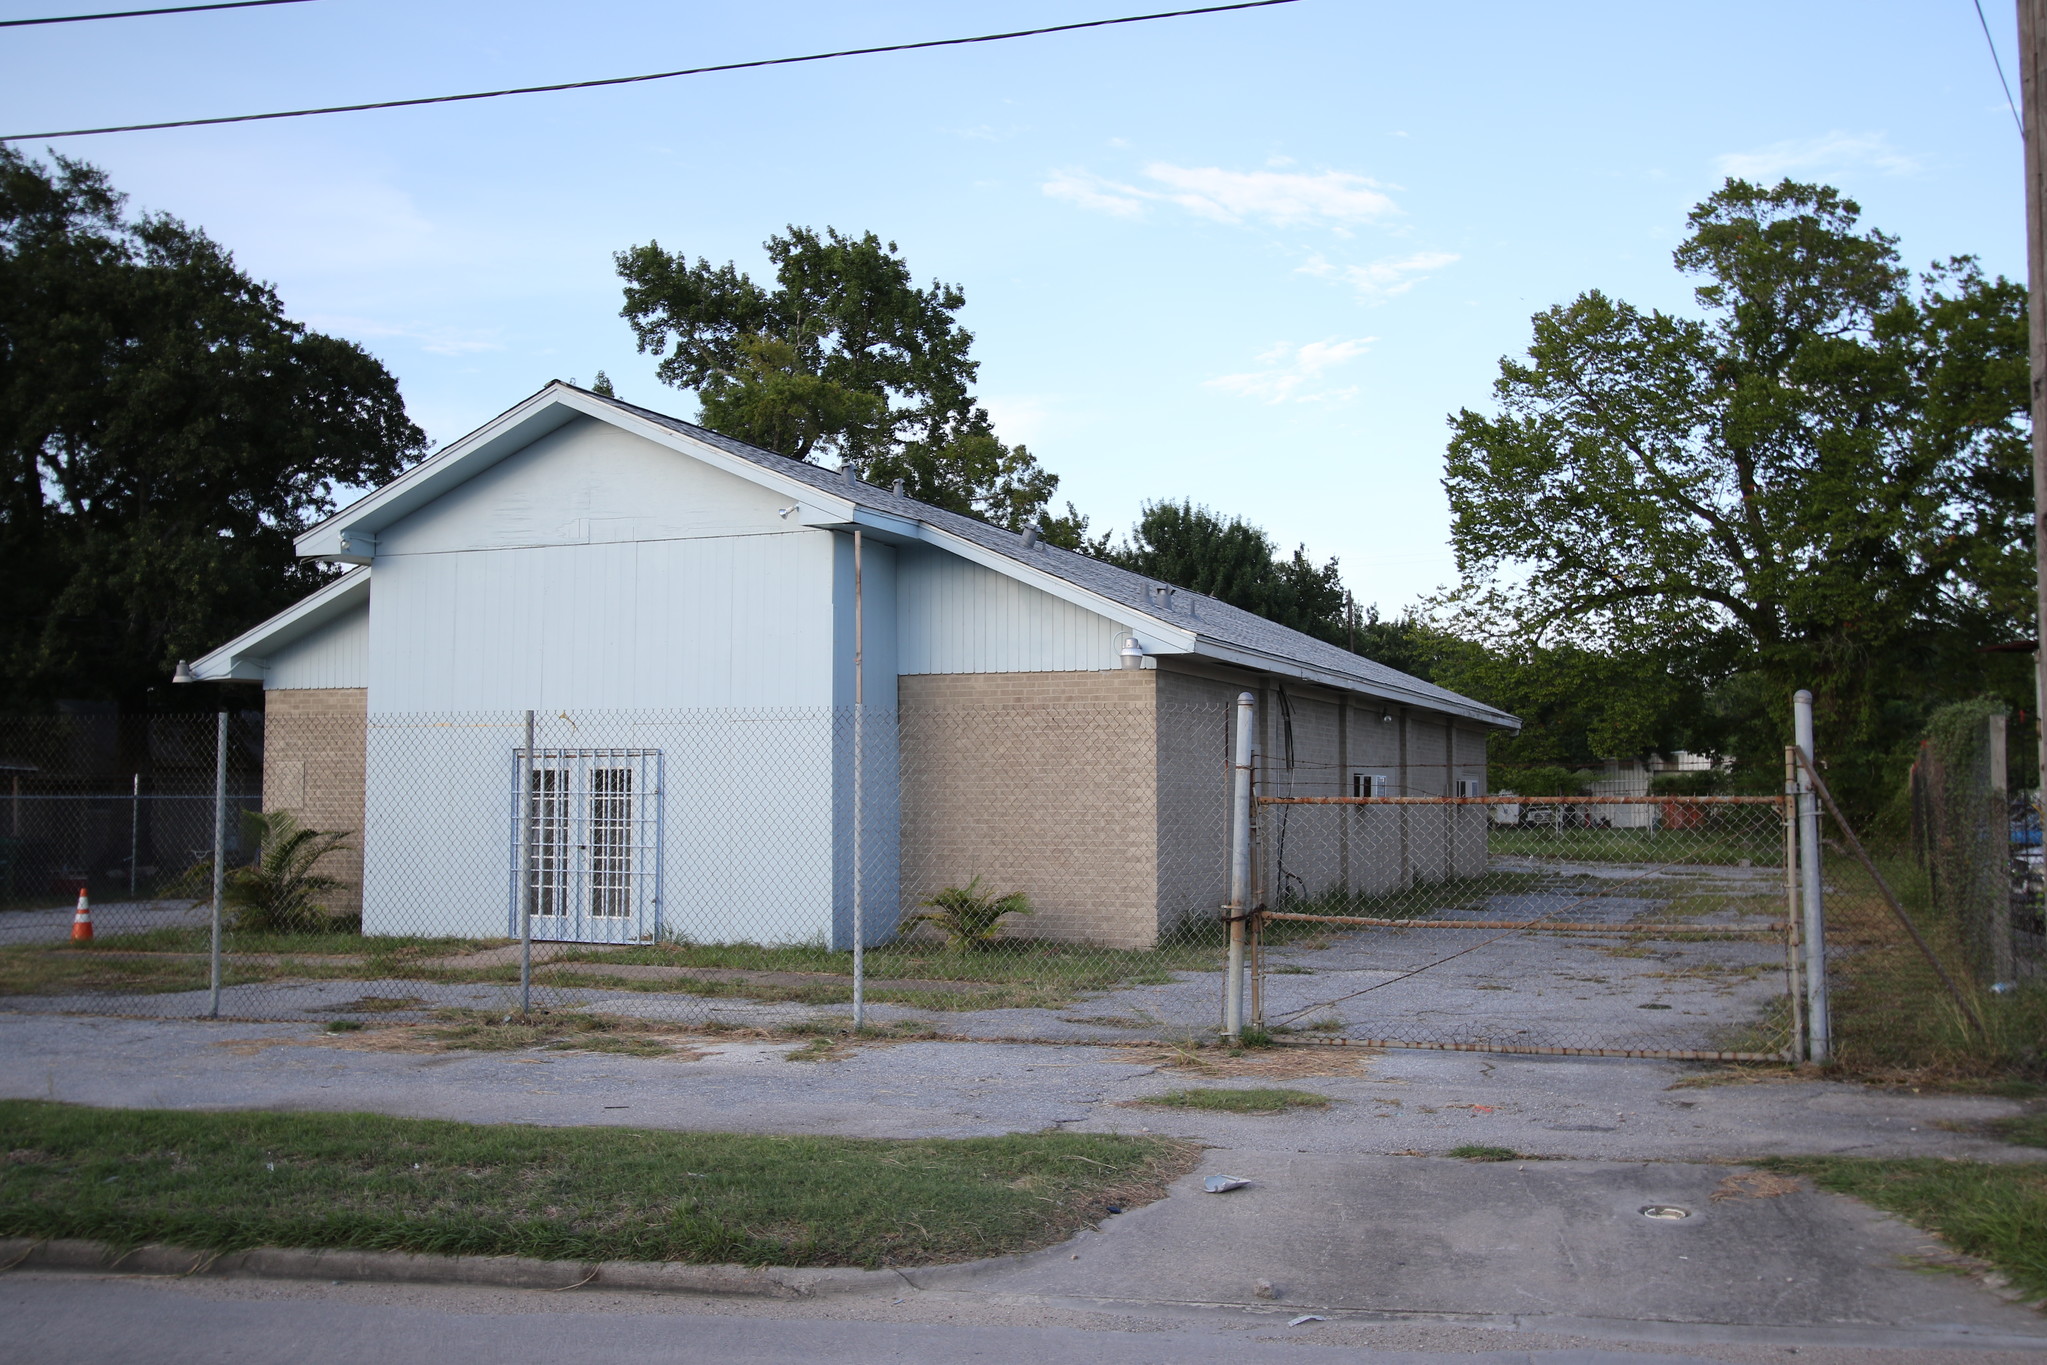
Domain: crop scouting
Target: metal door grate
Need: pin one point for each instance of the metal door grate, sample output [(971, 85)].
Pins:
[(592, 826)]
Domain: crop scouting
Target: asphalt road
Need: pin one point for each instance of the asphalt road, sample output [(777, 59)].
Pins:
[(59, 1319)]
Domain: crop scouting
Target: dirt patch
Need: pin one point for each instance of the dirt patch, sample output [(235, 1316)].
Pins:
[(1749, 1073), (630, 971), (1756, 1185), (1270, 1063), (371, 1004)]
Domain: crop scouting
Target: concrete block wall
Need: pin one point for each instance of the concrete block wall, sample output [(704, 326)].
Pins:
[(1195, 725), (1036, 782), (1313, 852), (313, 767), (1472, 823)]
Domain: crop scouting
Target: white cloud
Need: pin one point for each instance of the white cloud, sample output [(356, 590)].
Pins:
[(1383, 279), (1335, 199), (1291, 374), (1092, 193), (1828, 152), (434, 340)]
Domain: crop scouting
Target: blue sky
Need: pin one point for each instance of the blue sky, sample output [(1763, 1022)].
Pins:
[(1253, 259)]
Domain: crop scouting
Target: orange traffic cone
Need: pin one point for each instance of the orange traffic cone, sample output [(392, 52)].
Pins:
[(81, 923)]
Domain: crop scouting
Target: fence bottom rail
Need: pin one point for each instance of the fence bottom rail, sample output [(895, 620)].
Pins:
[(1543, 1050)]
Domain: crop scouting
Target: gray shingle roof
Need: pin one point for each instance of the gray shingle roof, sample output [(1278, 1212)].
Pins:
[(1214, 622)]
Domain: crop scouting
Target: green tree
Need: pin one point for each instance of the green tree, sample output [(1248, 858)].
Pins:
[(1577, 706), (1190, 546), (1817, 483), (166, 431), (844, 358)]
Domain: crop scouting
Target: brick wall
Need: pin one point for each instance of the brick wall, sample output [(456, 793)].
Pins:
[(313, 767), (1040, 783)]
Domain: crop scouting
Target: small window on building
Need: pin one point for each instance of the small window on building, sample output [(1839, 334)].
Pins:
[(1470, 786), (1370, 784)]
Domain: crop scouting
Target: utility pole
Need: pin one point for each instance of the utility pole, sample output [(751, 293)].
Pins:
[(2033, 112)]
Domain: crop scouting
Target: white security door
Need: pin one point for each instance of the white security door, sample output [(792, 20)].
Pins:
[(591, 821)]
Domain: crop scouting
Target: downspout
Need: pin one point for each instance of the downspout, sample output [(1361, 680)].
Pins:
[(859, 775)]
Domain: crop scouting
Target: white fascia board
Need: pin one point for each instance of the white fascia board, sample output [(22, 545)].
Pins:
[(553, 407), (508, 432), (1269, 663), (246, 656)]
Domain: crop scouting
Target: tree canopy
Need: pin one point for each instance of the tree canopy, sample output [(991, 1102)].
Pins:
[(1192, 547), (166, 430), (1821, 482), (845, 357)]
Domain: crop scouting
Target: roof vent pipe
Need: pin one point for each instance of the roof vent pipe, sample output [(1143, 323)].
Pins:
[(1132, 653), (1030, 536), (897, 488), (851, 469)]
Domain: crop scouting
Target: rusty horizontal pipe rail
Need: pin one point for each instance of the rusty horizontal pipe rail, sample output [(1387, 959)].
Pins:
[(1532, 1050), (1775, 927), (1520, 800)]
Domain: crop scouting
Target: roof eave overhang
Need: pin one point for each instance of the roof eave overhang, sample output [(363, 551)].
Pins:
[(246, 657), (1292, 668)]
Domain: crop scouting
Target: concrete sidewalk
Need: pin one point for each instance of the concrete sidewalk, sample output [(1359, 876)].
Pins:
[(1559, 1247), (1352, 1211)]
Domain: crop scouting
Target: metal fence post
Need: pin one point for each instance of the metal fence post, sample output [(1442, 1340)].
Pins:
[(219, 859), (1240, 864), (134, 832), (1792, 939), (526, 871), (1819, 1030)]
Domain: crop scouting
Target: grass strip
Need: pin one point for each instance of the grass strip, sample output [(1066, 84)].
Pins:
[(1007, 974), (1247, 1100), (1480, 1151), (232, 1181), (2023, 1130), (1994, 1211)]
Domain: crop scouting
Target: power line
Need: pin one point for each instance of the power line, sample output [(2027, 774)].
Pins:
[(1998, 62), (656, 76), (140, 13)]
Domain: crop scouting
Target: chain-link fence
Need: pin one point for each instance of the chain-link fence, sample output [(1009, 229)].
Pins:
[(1631, 926), (1937, 959), (121, 808), (1013, 867), (1978, 844), (987, 863)]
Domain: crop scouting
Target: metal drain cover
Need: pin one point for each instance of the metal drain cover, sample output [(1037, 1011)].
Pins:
[(1665, 1213)]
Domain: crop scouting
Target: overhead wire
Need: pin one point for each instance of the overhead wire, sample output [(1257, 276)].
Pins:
[(144, 13), (653, 76), (1998, 62)]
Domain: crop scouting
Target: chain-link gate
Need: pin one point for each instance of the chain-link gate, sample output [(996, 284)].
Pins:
[(1653, 926)]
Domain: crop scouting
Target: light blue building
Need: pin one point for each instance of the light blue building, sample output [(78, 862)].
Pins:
[(685, 616)]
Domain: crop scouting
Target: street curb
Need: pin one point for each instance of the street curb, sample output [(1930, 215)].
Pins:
[(503, 1272)]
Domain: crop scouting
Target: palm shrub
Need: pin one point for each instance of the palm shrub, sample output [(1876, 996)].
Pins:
[(280, 893), (968, 916)]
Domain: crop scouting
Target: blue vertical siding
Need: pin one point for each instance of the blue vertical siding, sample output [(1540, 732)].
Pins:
[(954, 616)]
